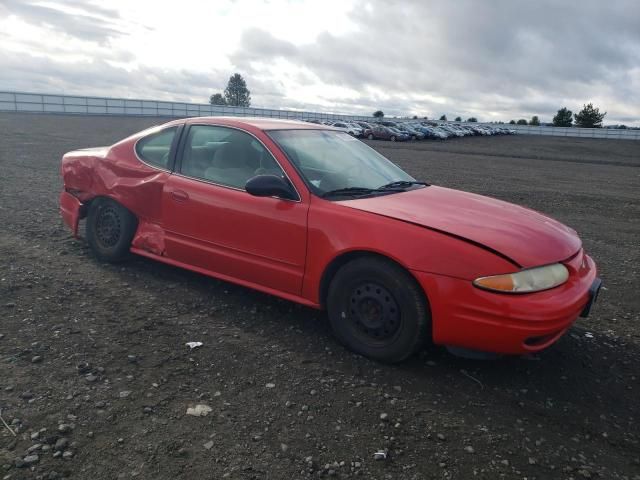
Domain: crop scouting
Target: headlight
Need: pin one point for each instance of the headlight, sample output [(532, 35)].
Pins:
[(524, 281)]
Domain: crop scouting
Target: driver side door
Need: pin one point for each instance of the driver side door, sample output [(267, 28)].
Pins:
[(212, 223)]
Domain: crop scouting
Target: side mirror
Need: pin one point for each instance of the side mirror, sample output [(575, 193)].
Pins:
[(270, 186)]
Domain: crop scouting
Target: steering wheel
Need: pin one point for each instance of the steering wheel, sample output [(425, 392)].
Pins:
[(333, 181)]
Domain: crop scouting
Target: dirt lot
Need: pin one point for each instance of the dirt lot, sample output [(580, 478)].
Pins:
[(95, 377)]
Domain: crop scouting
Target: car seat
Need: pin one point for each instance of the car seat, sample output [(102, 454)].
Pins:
[(233, 164)]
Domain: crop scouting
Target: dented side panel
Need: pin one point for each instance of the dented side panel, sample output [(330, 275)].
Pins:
[(149, 237), (115, 172), (70, 208)]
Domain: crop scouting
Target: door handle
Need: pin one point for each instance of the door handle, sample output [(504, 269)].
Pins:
[(179, 196)]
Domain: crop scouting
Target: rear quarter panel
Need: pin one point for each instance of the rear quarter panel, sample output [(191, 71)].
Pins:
[(117, 174)]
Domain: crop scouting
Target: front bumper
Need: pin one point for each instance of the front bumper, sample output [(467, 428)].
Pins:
[(467, 317), (594, 291)]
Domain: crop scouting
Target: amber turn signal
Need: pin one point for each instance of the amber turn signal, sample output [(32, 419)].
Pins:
[(525, 281)]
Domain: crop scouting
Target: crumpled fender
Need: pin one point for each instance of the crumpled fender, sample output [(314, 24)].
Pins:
[(149, 237), (70, 209), (110, 172)]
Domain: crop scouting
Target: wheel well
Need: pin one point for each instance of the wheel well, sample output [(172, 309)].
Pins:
[(87, 205), (345, 258), (101, 197)]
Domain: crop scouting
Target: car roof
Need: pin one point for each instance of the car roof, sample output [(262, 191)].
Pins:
[(262, 123)]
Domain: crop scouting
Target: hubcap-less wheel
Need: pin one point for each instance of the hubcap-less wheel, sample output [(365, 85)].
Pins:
[(374, 312), (108, 227), (377, 309)]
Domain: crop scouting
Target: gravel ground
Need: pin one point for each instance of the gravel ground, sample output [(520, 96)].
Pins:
[(96, 380)]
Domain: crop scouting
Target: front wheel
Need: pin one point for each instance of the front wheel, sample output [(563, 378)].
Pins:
[(110, 229), (370, 136), (393, 138), (378, 310)]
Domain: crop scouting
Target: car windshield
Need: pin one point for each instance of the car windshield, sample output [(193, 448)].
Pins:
[(331, 161)]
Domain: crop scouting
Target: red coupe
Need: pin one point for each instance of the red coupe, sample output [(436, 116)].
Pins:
[(315, 216)]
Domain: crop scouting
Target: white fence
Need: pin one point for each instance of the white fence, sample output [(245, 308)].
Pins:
[(44, 103), (613, 133)]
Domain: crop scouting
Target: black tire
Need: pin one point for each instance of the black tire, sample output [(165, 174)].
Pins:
[(110, 229), (378, 310), (370, 136), (393, 138)]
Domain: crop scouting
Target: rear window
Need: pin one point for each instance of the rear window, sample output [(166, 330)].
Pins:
[(154, 149)]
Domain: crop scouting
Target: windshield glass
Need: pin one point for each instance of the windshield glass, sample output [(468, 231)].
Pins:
[(329, 160)]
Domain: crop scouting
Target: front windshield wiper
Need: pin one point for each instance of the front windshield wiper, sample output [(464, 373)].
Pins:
[(348, 191), (397, 186), (402, 184), (360, 191)]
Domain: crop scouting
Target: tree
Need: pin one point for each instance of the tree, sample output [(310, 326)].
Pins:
[(564, 118), (589, 117), (378, 114), (443, 118), (535, 121), (512, 122), (522, 121), (472, 119), (458, 119), (415, 117), (217, 99), (237, 94)]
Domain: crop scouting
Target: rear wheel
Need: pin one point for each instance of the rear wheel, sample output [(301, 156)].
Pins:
[(110, 229), (377, 309)]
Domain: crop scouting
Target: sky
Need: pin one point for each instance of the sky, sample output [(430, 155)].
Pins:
[(496, 60)]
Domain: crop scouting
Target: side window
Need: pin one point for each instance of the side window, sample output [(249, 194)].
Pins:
[(154, 149), (225, 156)]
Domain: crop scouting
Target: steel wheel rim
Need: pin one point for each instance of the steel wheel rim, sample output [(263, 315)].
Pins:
[(374, 313), (108, 227)]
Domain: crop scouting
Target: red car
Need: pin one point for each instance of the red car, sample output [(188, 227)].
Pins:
[(315, 216)]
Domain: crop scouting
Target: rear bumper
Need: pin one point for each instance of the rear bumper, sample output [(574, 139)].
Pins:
[(71, 211), (467, 317)]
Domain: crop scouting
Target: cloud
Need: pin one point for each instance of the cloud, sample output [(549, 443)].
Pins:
[(515, 58), (82, 20), (494, 60), (98, 77)]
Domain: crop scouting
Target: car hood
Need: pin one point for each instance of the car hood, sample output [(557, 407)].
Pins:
[(526, 237)]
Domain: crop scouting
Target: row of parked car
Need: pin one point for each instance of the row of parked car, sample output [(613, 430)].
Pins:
[(413, 130)]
